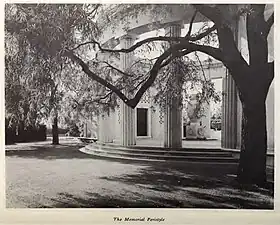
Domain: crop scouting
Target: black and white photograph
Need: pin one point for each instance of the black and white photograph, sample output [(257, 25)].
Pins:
[(139, 106)]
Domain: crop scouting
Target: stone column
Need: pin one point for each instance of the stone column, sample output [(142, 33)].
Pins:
[(127, 136), (117, 123), (229, 113), (232, 109), (105, 128), (85, 134), (109, 126), (173, 109), (100, 128)]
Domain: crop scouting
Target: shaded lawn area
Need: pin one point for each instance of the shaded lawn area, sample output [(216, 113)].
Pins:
[(62, 177)]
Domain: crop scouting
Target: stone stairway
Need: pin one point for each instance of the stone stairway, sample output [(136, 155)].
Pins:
[(143, 153)]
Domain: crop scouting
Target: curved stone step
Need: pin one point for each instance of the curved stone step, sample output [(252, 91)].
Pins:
[(119, 154), (190, 151), (165, 157), (100, 155), (163, 151), (137, 147)]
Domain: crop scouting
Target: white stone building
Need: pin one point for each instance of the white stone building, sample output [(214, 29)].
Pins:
[(126, 125)]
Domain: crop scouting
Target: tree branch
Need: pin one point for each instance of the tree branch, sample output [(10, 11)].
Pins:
[(203, 34), (147, 40), (212, 13), (98, 99), (192, 47), (86, 43), (191, 25), (256, 36), (182, 48), (269, 23), (132, 48), (95, 77), (153, 74), (214, 52), (189, 47), (141, 82), (118, 70), (94, 10)]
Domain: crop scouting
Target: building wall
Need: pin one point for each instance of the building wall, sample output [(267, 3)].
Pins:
[(270, 118), (117, 125), (156, 117), (157, 123), (146, 105)]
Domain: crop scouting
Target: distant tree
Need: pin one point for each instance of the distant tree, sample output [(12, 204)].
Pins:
[(23, 102)]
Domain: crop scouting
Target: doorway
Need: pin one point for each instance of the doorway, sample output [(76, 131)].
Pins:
[(142, 122)]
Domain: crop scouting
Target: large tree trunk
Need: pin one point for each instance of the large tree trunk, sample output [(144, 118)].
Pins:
[(252, 165), (55, 140)]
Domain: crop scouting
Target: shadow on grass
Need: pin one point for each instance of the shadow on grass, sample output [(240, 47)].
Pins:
[(209, 185), (95, 200), (173, 176), (173, 186), (51, 152), (195, 185), (63, 151), (195, 199)]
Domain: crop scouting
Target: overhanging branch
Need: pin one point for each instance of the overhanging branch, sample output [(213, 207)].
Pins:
[(132, 48), (118, 70), (183, 49), (153, 74), (203, 34), (175, 51), (212, 13), (99, 99), (95, 77), (191, 25), (214, 52), (269, 23), (191, 47), (148, 40)]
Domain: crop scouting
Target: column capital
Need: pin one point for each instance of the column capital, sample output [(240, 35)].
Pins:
[(174, 29), (127, 40), (174, 24)]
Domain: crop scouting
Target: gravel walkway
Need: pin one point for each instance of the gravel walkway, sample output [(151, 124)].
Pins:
[(63, 177)]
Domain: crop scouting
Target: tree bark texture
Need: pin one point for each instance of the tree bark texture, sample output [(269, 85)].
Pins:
[(252, 164), (55, 140)]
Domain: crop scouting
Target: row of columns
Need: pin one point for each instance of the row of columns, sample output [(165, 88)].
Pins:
[(229, 113), (173, 116), (127, 114), (231, 123), (173, 112)]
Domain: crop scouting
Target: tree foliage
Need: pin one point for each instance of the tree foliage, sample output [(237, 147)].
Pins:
[(58, 33), (68, 35)]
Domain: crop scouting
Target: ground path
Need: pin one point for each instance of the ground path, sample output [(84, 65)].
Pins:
[(62, 176)]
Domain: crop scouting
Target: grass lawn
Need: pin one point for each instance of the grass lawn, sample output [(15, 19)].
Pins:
[(63, 177)]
